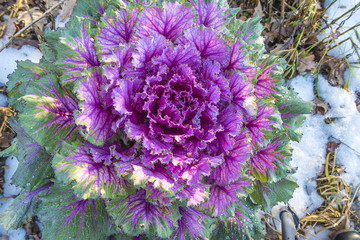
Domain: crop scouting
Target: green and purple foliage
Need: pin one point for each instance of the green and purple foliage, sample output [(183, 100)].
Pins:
[(145, 120)]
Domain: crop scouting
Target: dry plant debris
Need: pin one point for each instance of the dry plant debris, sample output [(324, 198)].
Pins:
[(337, 211), (32, 230), (320, 106), (333, 70), (17, 16)]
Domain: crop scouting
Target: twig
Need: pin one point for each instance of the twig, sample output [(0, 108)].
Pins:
[(292, 37), (356, 151), (335, 20), (282, 10), (33, 26), (30, 24)]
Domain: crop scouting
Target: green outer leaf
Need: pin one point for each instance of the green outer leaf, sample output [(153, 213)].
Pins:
[(250, 227), (24, 76), (17, 214), (21, 209), (34, 161), (268, 195), (85, 185), (49, 54), (119, 211), (89, 9), (65, 44), (52, 38), (290, 102), (35, 118), (241, 27), (53, 213), (283, 167)]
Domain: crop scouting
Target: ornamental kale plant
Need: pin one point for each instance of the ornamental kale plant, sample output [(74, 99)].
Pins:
[(145, 120)]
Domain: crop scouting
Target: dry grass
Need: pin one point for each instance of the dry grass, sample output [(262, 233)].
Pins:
[(337, 211)]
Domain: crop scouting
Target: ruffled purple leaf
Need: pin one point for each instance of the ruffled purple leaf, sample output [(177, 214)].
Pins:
[(149, 159), (94, 116), (158, 176), (169, 22), (91, 179), (120, 57), (238, 61), (123, 168), (211, 13), (192, 173), (230, 121), (208, 44), (212, 71), (148, 48), (241, 95), (192, 225), (265, 84), (123, 94), (175, 56), (257, 126), (141, 132), (194, 195), (264, 159), (136, 215), (118, 29), (99, 153), (232, 167), (222, 199)]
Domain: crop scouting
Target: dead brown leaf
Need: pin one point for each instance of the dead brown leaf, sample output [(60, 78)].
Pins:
[(333, 70), (320, 106), (270, 234), (332, 146), (6, 134), (279, 27), (10, 28), (32, 230), (6, 139), (334, 33), (4, 237), (67, 9), (277, 47), (243, 18), (258, 10), (306, 64), (35, 13), (18, 42)]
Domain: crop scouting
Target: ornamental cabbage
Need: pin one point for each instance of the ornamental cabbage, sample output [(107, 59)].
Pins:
[(152, 120)]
